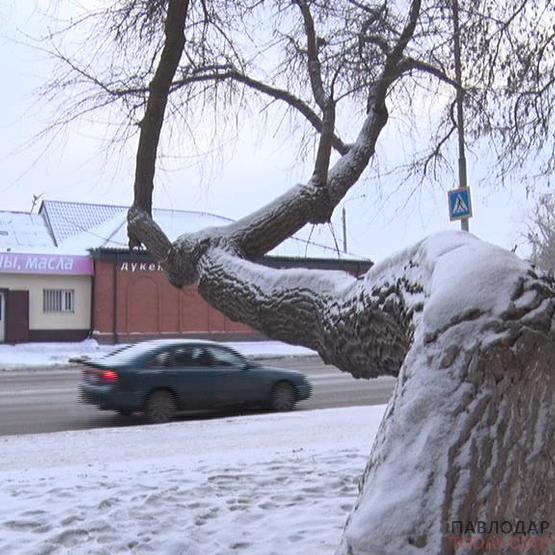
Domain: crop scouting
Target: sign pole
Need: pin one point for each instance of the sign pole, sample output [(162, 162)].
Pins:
[(344, 219), (463, 184)]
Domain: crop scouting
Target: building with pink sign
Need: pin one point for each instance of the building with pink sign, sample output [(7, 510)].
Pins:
[(132, 297), (45, 292), (67, 273)]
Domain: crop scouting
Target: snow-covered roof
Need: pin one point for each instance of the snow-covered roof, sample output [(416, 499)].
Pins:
[(67, 219), (22, 231), (80, 226), (112, 233)]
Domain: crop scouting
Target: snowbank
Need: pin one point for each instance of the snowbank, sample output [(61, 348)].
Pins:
[(256, 485), (47, 355)]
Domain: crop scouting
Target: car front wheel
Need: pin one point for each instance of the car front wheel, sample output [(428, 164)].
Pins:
[(159, 407), (283, 397)]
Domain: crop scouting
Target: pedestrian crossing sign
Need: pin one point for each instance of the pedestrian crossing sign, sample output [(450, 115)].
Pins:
[(460, 204)]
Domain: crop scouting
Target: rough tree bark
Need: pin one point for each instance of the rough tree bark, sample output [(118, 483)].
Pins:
[(468, 328), (469, 435)]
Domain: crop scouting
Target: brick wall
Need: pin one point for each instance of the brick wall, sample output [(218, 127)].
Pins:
[(147, 306)]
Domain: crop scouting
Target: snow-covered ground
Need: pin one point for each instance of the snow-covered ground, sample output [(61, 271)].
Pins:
[(46, 355), (255, 485)]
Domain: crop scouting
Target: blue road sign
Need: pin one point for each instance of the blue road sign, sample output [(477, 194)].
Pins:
[(460, 204)]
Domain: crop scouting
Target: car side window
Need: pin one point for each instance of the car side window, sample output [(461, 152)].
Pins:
[(189, 357), (159, 360), (225, 357), (182, 358), (203, 358)]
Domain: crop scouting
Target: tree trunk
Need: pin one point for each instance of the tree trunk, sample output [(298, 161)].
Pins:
[(464, 458)]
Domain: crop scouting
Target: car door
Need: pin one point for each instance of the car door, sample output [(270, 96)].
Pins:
[(192, 377), (155, 372), (234, 382)]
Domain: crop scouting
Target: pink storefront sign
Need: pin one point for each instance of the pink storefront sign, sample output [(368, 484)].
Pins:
[(19, 263)]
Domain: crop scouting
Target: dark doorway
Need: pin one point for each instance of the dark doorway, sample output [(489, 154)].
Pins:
[(16, 316), (2, 316)]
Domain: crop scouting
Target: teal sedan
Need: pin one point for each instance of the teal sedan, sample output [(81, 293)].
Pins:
[(160, 378)]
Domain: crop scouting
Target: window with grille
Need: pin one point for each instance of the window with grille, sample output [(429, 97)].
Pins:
[(58, 300)]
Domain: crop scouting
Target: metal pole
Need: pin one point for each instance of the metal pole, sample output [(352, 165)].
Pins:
[(344, 218), (460, 94)]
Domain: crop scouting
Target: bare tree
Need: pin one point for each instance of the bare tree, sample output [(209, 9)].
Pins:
[(541, 234), (467, 443)]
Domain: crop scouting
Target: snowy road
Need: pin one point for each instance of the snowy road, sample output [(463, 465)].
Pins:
[(47, 401)]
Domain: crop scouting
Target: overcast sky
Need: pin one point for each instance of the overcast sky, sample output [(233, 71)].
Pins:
[(382, 217)]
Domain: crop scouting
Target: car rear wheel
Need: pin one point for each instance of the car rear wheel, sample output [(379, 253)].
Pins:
[(125, 412), (283, 397), (159, 407)]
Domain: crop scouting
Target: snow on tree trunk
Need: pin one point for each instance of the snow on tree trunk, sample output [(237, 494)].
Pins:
[(468, 437)]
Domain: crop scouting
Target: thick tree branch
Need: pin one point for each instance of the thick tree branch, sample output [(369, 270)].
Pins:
[(151, 124), (266, 228), (253, 236), (258, 233), (406, 34), (301, 307), (152, 236), (391, 69), (269, 226), (314, 67), (321, 166)]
